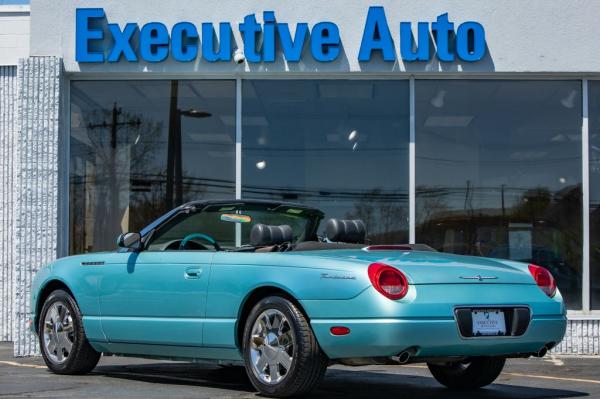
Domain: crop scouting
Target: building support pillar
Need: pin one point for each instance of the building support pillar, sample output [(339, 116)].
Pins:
[(36, 211), (8, 135)]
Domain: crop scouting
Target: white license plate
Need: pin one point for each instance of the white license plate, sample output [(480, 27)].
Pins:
[(488, 322)]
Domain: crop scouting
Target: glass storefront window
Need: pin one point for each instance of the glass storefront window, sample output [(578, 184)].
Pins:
[(339, 145), (594, 154), (139, 148), (498, 172)]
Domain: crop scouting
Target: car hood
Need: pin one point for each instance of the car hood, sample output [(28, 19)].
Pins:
[(425, 267)]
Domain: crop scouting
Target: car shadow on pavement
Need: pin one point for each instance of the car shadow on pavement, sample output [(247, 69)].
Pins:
[(233, 378), (355, 383)]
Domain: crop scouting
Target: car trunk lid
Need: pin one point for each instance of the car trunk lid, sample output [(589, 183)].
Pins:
[(428, 267)]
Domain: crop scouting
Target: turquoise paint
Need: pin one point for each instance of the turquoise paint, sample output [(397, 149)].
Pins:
[(149, 297), (93, 328), (145, 303)]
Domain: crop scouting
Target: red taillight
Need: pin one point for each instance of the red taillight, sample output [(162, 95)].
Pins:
[(544, 279), (388, 281)]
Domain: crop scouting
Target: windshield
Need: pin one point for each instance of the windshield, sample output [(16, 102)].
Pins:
[(224, 223)]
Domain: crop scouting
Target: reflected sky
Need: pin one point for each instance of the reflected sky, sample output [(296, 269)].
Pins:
[(339, 145)]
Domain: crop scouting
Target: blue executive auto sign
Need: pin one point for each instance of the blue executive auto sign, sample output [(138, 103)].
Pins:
[(98, 40)]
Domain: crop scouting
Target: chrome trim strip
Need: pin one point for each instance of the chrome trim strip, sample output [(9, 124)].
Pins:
[(479, 277), (96, 263)]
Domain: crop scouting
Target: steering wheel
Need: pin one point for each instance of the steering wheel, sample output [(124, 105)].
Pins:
[(201, 236)]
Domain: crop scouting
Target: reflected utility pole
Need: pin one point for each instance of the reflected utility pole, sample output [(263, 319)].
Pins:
[(174, 150), (113, 126)]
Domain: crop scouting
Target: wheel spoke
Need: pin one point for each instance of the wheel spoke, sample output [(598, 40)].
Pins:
[(62, 314), (282, 326), (59, 354), (285, 340), (261, 364), (65, 343), (51, 345), (53, 314), (267, 322), (284, 359), (276, 322), (273, 371)]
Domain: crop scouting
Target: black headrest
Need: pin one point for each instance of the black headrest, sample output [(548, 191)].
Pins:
[(351, 231), (262, 235)]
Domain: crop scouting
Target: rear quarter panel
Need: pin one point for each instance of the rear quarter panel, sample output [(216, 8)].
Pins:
[(235, 275)]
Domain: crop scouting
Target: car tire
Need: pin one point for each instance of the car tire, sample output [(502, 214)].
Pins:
[(470, 374), (62, 339), (277, 330)]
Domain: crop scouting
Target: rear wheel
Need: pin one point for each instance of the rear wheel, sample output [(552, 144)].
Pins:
[(473, 373), (281, 353), (65, 348)]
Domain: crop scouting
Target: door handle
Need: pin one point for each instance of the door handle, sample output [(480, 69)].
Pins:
[(193, 272)]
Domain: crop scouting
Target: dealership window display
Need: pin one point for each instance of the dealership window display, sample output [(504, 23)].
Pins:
[(139, 148), (498, 162), (339, 145), (498, 172)]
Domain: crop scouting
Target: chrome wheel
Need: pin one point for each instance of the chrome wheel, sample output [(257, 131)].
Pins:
[(58, 334), (271, 347)]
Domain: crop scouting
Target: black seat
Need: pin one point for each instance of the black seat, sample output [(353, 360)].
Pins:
[(263, 235), (349, 231)]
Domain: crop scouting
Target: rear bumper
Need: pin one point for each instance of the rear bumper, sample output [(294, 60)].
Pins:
[(424, 322), (429, 338)]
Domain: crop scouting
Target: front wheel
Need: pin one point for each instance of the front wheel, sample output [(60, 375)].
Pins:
[(281, 354), (64, 346), (472, 373)]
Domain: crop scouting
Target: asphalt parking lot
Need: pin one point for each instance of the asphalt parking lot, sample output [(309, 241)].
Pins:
[(551, 377)]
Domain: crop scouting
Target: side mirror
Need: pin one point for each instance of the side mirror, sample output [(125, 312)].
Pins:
[(130, 240)]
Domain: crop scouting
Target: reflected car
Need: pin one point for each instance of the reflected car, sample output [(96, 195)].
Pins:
[(251, 283)]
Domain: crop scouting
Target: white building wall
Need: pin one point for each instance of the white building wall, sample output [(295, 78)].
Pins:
[(14, 33), (522, 36), (14, 44)]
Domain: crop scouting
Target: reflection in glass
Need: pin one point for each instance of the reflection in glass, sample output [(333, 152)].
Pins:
[(338, 145), (498, 172), (138, 148), (594, 153)]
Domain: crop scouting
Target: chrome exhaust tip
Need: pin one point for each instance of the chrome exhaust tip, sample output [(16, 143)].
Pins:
[(542, 352), (404, 357)]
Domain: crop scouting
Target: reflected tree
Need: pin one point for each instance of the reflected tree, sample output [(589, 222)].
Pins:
[(386, 220)]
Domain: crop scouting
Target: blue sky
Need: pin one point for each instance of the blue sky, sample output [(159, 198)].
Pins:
[(3, 2)]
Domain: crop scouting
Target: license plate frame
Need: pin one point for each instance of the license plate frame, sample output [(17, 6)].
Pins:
[(488, 322)]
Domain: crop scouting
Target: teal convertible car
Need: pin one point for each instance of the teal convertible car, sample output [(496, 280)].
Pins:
[(253, 283)]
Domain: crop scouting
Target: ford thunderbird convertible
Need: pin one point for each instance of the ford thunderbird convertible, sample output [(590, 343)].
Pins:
[(273, 287)]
